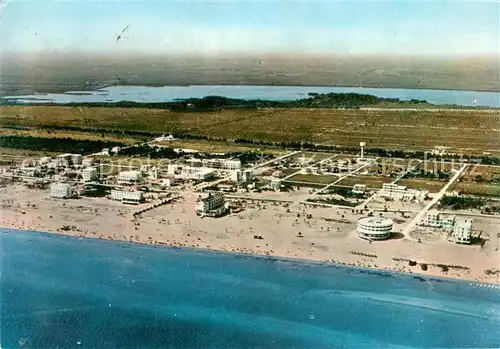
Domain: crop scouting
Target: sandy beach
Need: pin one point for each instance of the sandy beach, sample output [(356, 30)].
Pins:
[(269, 229)]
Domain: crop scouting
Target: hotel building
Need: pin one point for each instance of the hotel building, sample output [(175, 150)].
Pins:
[(374, 228), (127, 196), (212, 205)]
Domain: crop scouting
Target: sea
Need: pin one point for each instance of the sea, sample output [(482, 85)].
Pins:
[(68, 292), (145, 94)]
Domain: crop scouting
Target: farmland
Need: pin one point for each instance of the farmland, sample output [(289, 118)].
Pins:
[(370, 181), (480, 189), (422, 184), (470, 131), (313, 179), (479, 180)]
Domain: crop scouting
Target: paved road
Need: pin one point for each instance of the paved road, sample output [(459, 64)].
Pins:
[(274, 160), (412, 224)]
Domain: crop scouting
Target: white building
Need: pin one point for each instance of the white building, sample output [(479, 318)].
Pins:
[(127, 196), (44, 160), (359, 188), (115, 149), (227, 187), (436, 219), (153, 173), (87, 161), (129, 177), (76, 159), (402, 193), (275, 184), (173, 169), (28, 163), (374, 228), (234, 164), (212, 205), (28, 171), (462, 231), (168, 182), (197, 173), (89, 174), (61, 191), (165, 138), (105, 152), (241, 176), (63, 160)]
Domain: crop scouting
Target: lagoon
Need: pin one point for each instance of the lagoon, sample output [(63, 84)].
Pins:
[(68, 292), (169, 93)]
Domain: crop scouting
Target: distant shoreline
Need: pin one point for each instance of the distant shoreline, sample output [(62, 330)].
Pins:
[(251, 96), (85, 90)]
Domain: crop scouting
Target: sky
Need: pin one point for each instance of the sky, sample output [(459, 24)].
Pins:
[(444, 28)]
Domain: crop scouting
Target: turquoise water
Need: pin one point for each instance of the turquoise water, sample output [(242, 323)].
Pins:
[(65, 292), (170, 93)]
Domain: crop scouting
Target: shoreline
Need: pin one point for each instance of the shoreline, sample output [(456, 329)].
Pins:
[(326, 237), (268, 258)]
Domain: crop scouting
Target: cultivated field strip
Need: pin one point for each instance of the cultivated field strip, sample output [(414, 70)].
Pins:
[(473, 131)]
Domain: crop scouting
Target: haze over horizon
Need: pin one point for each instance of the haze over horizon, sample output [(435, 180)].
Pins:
[(61, 45), (445, 28)]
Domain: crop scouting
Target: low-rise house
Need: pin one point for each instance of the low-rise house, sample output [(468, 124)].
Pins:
[(226, 187), (436, 219), (359, 188)]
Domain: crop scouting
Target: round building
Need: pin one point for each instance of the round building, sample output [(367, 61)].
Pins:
[(373, 228)]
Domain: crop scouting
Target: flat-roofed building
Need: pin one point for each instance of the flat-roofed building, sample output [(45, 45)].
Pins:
[(436, 219), (402, 193), (241, 176), (133, 197), (197, 173), (462, 231), (129, 177), (374, 228), (87, 161), (89, 174), (61, 191), (44, 160), (63, 160), (76, 159), (226, 187), (359, 188), (275, 184), (212, 205), (28, 163), (231, 164)]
